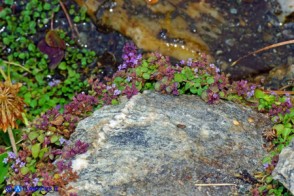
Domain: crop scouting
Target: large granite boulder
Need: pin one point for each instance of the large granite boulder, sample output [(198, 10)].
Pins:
[(284, 171), (157, 144)]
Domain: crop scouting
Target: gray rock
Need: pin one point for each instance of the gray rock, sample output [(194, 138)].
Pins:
[(284, 171), (157, 144)]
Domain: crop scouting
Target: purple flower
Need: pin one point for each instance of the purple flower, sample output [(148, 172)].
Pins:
[(130, 91), (250, 94), (182, 62), (189, 62), (17, 161), (62, 140), (54, 83), (116, 92), (195, 70), (121, 67), (242, 87), (11, 155), (35, 181), (5, 160), (130, 57), (129, 78), (22, 164)]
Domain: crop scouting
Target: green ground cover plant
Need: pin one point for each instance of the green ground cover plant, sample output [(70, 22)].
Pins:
[(42, 76), (54, 106)]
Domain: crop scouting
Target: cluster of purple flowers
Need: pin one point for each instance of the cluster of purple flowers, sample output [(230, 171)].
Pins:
[(44, 122), (78, 148), (81, 105), (130, 57), (63, 165), (243, 88), (283, 108), (17, 164), (130, 91)]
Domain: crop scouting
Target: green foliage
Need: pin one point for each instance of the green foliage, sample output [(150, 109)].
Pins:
[(19, 46), (23, 50), (78, 14), (265, 100), (3, 168)]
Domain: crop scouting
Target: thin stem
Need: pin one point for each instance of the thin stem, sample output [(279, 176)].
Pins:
[(73, 29), (12, 141), (3, 74), (16, 64), (52, 18)]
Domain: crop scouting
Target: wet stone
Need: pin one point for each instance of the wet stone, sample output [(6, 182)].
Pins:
[(202, 27)]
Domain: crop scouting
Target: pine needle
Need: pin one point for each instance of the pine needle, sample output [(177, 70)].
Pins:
[(263, 49)]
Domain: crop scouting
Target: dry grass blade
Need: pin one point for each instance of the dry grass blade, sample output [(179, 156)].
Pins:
[(219, 184), (279, 92), (263, 49)]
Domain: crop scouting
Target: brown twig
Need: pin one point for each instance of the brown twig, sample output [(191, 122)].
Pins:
[(12, 140), (72, 27), (52, 19), (263, 49)]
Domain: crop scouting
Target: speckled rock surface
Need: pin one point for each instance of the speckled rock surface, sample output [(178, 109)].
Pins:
[(284, 171), (163, 145)]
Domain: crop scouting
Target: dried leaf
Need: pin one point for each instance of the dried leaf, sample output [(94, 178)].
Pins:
[(58, 120), (55, 54), (53, 40)]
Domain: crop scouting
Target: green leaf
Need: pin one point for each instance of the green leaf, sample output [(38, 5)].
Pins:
[(259, 94), (269, 179), (179, 77), (146, 76), (187, 85), (8, 2), (279, 128), (210, 80), (41, 138), (54, 139), (114, 102), (40, 79), (47, 6), (22, 55), (77, 19), (157, 86), (24, 170), (286, 132), (36, 150), (193, 90), (6, 40), (42, 152), (3, 167), (33, 135), (62, 66), (33, 103)]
